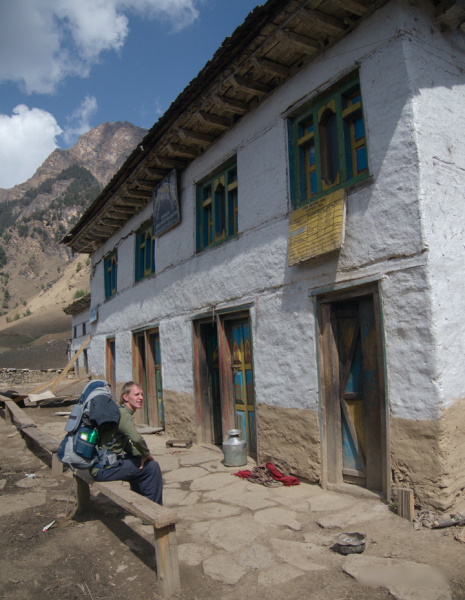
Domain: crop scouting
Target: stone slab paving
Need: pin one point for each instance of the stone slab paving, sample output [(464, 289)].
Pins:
[(232, 527), (405, 580), (235, 530)]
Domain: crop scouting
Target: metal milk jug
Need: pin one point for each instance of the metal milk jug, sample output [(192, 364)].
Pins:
[(234, 449)]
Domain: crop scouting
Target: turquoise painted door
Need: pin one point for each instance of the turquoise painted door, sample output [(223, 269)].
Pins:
[(359, 392), (158, 381), (244, 399)]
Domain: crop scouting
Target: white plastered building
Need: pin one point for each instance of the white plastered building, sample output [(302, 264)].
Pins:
[(283, 252)]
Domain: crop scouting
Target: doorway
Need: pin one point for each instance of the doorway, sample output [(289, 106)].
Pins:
[(224, 378), (353, 403), (147, 372)]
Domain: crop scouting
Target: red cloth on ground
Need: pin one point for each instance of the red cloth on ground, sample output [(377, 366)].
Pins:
[(243, 474), (285, 479)]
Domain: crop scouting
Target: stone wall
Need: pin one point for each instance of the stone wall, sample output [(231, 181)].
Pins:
[(21, 376)]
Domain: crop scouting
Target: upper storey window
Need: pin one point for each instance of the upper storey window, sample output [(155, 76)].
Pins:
[(110, 265), (217, 207), (328, 144), (145, 251)]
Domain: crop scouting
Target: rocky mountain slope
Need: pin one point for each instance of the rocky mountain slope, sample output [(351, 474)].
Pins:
[(38, 276)]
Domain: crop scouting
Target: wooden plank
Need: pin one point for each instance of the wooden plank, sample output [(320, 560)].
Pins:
[(406, 503), (162, 519), (70, 364), (136, 504), (166, 554), (179, 443), (18, 416), (42, 439)]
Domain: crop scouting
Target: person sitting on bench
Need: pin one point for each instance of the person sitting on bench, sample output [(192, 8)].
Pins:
[(127, 456)]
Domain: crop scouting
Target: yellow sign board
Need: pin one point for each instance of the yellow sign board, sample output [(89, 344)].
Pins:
[(317, 228)]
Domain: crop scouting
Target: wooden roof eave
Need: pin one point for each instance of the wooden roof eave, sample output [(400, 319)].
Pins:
[(274, 42)]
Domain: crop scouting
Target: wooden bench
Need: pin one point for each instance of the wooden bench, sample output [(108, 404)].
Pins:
[(32, 434), (163, 521)]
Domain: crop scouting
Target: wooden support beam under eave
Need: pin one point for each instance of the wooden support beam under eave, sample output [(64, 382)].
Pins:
[(355, 7), (145, 182), (132, 193), (302, 42), (231, 104), (256, 87), (169, 163), (214, 120), (181, 150), (159, 173), (196, 136), (270, 66), (131, 201), (326, 22)]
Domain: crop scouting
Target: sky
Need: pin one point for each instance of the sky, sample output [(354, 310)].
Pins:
[(68, 65)]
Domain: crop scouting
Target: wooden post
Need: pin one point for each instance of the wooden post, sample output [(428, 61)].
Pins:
[(82, 494), (406, 503), (166, 555), (57, 465)]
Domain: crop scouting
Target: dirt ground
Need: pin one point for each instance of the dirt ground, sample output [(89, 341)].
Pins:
[(108, 555)]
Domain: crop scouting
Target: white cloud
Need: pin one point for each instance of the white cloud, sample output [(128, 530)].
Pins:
[(79, 121), (44, 41), (26, 139)]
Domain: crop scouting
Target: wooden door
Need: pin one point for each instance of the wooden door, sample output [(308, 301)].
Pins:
[(354, 398), (243, 385), (147, 372), (209, 416)]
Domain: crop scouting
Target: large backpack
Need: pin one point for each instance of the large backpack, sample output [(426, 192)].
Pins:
[(95, 411)]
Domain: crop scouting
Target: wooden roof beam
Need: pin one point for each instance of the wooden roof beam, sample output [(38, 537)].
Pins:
[(355, 7), (231, 104), (103, 229), (145, 182), (113, 221), (249, 85), (196, 136), (214, 120), (123, 210), (132, 193), (131, 201), (302, 42), (169, 162), (272, 67), (326, 22), (181, 150), (156, 172)]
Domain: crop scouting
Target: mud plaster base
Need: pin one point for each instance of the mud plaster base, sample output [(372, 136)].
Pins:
[(179, 415), (290, 438), (429, 457)]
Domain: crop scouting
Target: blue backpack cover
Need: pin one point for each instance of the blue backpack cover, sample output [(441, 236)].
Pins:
[(94, 411)]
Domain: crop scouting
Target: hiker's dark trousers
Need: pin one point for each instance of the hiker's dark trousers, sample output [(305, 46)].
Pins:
[(146, 481)]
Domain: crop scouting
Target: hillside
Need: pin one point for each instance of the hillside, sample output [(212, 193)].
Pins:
[(38, 276)]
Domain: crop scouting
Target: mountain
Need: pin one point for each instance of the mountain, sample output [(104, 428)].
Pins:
[(38, 276)]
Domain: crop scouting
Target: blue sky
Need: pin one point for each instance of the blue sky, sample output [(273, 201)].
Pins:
[(68, 65)]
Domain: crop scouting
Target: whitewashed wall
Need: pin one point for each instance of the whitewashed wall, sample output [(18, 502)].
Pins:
[(392, 231), (77, 323)]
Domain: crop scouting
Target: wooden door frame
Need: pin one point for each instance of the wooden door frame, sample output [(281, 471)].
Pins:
[(203, 404), (150, 412), (110, 364), (330, 421)]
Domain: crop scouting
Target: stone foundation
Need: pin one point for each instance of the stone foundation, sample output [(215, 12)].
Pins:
[(290, 438), (429, 457), (179, 415)]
